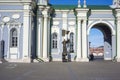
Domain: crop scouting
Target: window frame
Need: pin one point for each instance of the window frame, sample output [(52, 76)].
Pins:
[(13, 37), (54, 40), (71, 42)]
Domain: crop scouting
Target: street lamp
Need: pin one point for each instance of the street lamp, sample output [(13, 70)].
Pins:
[(65, 43)]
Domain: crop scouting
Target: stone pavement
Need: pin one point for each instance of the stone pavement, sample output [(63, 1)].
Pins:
[(96, 70)]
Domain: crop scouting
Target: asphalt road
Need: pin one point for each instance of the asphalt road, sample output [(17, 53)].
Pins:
[(96, 70)]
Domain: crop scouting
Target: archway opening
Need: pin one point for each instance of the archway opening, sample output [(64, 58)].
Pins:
[(100, 42)]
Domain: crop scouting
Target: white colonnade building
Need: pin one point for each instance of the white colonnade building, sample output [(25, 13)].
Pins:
[(33, 29)]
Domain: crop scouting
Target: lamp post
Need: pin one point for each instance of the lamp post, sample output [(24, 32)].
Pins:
[(89, 47), (65, 46)]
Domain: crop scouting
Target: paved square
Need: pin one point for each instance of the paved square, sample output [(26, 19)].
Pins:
[(96, 70)]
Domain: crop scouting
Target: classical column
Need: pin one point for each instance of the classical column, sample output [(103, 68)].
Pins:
[(1, 27), (84, 41), (18, 47), (118, 34), (114, 46), (39, 34), (38, 38), (49, 35), (26, 33), (118, 39), (45, 33), (82, 15), (8, 47), (2, 31), (45, 38), (79, 41)]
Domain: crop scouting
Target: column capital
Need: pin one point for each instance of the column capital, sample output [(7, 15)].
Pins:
[(82, 13), (2, 25), (117, 12), (45, 13), (27, 6)]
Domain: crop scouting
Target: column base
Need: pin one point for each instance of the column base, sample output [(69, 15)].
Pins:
[(18, 60), (82, 60), (55, 59), (118, 59), (45, 59), (27, 60), (0, 61)]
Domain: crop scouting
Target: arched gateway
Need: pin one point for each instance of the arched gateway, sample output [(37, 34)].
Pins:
[(109, 38)]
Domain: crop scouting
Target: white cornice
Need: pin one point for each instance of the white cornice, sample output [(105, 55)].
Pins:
[(11, 10), (57, 10), (15, 1), (61, 18), (82, 9), (57, 18), (102, 11), (71, 18), (110, 19)]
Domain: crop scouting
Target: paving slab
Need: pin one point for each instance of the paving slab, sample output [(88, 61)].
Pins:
[(96, 70)]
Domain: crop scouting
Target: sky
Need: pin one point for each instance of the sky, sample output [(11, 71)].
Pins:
[(96, 36), (89, 2)]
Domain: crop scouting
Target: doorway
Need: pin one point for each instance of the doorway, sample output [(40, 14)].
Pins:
[(100, 42)]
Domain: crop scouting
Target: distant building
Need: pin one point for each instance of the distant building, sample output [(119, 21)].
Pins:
[(97, 51), (36, 29)]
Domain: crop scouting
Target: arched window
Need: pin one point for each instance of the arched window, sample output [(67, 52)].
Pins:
[(54, 40), (72, 42), (13, 37)]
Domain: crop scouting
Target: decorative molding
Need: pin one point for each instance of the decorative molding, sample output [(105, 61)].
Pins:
[(56, 23), (12, 11), (6, 19), (104, 22), (16, 16), (71, 23), (15, 1)]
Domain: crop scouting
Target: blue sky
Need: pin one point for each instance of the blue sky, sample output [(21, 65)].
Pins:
[(96, 38), (89, 2)]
